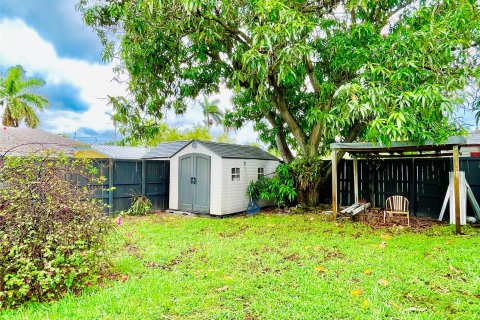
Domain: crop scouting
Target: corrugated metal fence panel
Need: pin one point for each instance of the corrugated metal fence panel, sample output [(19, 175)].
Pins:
[(423, 181)]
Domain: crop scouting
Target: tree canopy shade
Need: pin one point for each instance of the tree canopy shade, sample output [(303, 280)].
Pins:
[(18, 101), (304, 72)]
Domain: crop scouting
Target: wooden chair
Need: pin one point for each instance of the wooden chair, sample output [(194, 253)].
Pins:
[(396, 205)]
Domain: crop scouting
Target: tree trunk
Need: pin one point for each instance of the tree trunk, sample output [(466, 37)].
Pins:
[(309, 197)]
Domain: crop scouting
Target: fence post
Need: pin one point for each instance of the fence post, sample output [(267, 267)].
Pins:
[(110, 186), (334, 183), (144, 177), (355, 179), (412, 181), (456, 187)]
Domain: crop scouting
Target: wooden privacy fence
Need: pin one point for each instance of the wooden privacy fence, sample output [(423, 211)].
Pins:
[(424, 181), (132, 178)]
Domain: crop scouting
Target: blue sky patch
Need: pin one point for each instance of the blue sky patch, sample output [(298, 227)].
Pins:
[(63, 97), (58, 22)]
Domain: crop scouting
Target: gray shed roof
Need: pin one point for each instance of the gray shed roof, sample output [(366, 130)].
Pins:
[(23, 141), (121, 152), (224, 150)]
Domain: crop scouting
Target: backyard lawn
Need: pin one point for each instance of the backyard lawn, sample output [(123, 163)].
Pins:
[(275, 266)]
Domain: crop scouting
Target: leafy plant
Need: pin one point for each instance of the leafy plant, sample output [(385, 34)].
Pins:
[(141, 206), (253, 190), (51, 230), (280, 188)]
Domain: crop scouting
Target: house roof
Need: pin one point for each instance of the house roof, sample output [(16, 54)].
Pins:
[(474, 137), (24, 141), (121, 152), (224, 150)]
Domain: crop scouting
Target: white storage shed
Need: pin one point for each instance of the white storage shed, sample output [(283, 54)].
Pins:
[(211, 177)]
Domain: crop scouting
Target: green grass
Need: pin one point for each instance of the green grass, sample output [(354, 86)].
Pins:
[(277, 267)]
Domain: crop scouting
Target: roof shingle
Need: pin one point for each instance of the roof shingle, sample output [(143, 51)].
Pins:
[(24, 141), (224, 150)]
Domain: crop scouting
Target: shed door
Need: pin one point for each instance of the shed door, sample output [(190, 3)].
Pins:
[(194, 183)]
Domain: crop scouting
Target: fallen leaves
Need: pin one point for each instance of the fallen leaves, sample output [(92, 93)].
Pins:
[(222, 289), (124, 278), (386, 236), (321, 269), (356, 292), (382, 245), (414, 309), (454, 269), (367, 272), (383, 282)]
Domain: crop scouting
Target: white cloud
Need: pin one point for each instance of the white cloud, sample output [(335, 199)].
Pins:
[(21, 44)]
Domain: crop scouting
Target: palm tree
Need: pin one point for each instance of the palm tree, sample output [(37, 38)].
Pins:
[(19, 102), (211, 112)]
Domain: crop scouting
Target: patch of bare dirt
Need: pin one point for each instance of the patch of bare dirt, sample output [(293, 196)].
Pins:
[(374, 219)]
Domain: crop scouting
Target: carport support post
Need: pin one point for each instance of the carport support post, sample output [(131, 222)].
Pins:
[(456, 187), (110, 186), (355, 179), (334, 183)]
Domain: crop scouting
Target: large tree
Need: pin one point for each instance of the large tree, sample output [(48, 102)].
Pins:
[(19, 102), (304, 72)]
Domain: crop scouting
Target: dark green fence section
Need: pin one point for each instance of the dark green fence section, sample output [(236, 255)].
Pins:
[(132, 178), (423, 181)]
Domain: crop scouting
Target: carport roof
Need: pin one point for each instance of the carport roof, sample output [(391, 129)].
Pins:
[(121, 152), (399, 146), (224, 150)]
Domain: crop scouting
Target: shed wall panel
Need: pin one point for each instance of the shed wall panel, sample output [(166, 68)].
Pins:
[(234, 197)]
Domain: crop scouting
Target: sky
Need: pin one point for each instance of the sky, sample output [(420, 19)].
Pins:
[(49, 39)]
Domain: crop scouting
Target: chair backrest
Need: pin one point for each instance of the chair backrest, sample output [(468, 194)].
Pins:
[(397, 203)]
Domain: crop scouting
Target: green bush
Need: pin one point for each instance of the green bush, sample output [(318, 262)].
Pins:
[(51, 230), (141, 206), (280, 188)]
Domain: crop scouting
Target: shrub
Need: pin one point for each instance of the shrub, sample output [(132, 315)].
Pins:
[(51, 230), (280, 188), (141, 206)]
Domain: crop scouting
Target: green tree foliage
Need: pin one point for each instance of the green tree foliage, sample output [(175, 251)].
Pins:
[(51, 230), (139, 129), (162, 132), (304, 72), (19, 102)]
